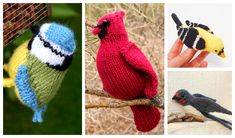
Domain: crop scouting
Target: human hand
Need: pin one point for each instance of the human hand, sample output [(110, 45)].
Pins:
[(184, 59)]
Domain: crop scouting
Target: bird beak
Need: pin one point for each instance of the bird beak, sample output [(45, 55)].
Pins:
[(222, 55), (174, 98), (96, 31)]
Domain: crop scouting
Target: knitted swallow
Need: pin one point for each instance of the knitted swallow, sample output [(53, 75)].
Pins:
[(124, 70), (37, 67), (199, 37), (206, 105)]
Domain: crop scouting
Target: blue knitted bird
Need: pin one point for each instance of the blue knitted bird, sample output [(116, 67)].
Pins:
[(37, 67)]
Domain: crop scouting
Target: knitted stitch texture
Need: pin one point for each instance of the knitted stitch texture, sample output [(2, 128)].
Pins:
[(43, 80), (124, 70), (17, 59), (199, 37), (38, 66)]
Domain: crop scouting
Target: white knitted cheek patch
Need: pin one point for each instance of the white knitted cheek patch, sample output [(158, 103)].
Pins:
[(45, 54)]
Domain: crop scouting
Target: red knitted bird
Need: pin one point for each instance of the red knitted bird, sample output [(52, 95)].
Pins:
[(124, 70)]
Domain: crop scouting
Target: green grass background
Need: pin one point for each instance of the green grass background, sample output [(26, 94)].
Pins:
[(64, 112)]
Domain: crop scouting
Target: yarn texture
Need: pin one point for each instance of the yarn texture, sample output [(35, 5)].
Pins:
[(199, 37), (37, 67), (125, 72)]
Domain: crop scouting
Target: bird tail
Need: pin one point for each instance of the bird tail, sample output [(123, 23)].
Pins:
[(146, 118), (176, 20), (224, 122)]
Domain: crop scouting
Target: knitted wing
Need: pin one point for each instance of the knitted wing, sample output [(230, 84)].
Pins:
[(191, 24), (135, 58), (205, 105), (203, 96), (27, 94)]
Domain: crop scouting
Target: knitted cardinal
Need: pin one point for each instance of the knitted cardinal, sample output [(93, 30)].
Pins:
[(124, 70)]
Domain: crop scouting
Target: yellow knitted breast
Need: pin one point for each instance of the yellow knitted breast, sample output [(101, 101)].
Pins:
[(18, 58), (213, 42)]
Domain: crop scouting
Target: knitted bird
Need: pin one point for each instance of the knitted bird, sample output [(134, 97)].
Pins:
[(199, 37), (124, 70), (37, 67), (206, 105)]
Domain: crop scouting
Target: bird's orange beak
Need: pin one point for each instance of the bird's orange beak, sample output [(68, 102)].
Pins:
[(222, 55)]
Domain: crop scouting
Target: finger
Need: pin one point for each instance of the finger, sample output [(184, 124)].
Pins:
[(183, 58), (175, 49), (203, 64), (200, 65), (197, 61)]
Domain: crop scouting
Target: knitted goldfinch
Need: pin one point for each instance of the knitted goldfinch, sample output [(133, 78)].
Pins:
[(37, 67), (199, 37)]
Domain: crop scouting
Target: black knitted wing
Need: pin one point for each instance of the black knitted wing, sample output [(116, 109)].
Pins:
[(206, 106), (191, 38), (203, 96), (191, 24)]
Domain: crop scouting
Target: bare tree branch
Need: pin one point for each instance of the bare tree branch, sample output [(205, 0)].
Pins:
[(184, 117), (156, 101), (89, 24), (100, 93)]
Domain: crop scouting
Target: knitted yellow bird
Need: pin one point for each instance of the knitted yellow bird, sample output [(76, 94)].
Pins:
[(199, 37)]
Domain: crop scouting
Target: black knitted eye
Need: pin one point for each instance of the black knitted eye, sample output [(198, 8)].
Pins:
[(215, 50), (106, 23), (46, 44)]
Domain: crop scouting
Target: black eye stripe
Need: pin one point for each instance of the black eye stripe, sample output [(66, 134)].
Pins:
[(104, 24), (48, 45), (103, 27)]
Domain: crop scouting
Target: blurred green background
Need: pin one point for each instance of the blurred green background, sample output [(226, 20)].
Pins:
[(64, 112)]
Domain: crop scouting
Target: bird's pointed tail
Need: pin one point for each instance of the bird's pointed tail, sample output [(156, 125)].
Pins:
[(38, 113), (220, 120), (146, 118), (176, 19)]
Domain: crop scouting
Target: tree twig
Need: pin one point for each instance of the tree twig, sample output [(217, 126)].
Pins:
[(156, 101), (100, 93), (184, 117), (89, 24)]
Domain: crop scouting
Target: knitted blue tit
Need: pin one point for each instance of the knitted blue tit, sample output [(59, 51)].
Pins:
[(40, 66)]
